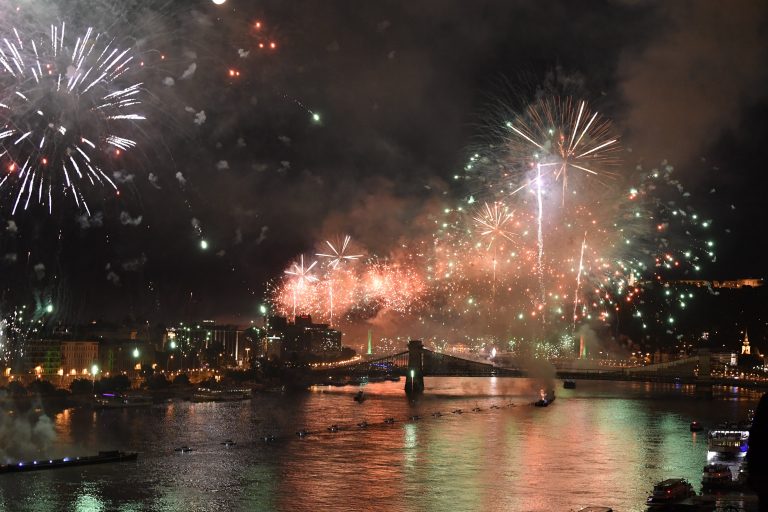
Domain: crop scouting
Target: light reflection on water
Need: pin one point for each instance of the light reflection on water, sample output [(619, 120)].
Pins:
[(601, 444)]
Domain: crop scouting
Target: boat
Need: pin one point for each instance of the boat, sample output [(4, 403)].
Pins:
[(569, 384), (302, 433), (221, 395), (415, 417), (716, 476), (669, 492), (546, 399), (363, 424), (476, 409), (457, 411), (228, 442), (696, 426), (118, 401), (359, 397), (333, 428), (728, 441), (494, 406), (103, 457), (184, 449), (389, 421), (269, 438), (437, 414)]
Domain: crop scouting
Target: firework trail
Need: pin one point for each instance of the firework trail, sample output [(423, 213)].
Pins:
[(336, 258), (578, 280), (540, 234), (302, 276)]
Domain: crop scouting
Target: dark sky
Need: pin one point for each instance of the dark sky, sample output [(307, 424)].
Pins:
[(402, 89)]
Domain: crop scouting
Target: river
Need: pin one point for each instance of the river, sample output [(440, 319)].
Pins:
[(603, 443)]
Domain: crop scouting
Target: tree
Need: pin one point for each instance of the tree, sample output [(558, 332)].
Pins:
[(81, 386), (16, 388), (157, 381), (118, 383), (42, 387)]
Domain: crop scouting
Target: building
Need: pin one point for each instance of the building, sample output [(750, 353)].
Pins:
[(745, 349), (207, 343), (734, 284), (78, 357), (41, 356), (118, 356), (300, 338)]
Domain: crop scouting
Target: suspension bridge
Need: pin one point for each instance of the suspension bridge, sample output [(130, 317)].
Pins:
[(418, 362)]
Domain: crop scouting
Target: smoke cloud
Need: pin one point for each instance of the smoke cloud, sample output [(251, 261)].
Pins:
[(695, 77), (24, 435)]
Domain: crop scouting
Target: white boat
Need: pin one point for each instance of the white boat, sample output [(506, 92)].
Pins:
[(728, 441)]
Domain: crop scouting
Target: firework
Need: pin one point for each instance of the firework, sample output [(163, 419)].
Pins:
[(67, 110), (338, 254), (607, 247), (302, 278), (555, 136), (337, 257), (493, 223)]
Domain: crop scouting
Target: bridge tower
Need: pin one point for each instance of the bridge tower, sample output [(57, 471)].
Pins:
[(414, 379)]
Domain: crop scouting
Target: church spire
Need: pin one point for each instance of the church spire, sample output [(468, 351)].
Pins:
[(745, 350)]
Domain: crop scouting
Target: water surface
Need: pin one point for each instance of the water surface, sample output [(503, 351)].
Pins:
[(604, 443)]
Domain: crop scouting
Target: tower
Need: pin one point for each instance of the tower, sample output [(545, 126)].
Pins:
[(745, 350)]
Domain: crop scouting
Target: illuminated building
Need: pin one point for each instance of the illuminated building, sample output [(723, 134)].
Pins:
[(745, 350), (302, 337), (77, 357), (44, 354)]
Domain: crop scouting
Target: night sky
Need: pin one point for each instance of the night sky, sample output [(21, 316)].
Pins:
[(402, 90)]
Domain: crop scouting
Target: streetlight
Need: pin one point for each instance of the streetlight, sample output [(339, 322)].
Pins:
[(94, 371)]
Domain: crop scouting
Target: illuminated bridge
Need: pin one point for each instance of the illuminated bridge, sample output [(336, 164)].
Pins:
[(418, 362), (415, 363)]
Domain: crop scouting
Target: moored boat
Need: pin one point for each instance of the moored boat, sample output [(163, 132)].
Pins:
[(221, 395), (103, 457), (546, 398), (569, 384), (716, 476), (118, 401), (669, 492), (727, 441)]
